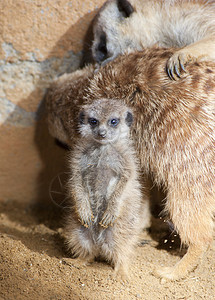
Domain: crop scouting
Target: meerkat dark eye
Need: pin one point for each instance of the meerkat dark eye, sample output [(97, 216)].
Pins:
[(93, 122), (101, 53), (114, 122)]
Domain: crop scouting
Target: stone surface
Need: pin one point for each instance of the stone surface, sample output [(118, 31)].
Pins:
[(39, 40)]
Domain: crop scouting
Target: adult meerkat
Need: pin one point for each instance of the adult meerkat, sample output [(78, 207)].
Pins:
[(108, 209), (174, 135), (136, 24)]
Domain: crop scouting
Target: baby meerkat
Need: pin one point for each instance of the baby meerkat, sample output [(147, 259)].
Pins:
[(121, 25), (108, 209), (174, 136)]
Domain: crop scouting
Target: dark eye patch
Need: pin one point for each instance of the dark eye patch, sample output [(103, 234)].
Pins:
[(93, 122), (102, 48)]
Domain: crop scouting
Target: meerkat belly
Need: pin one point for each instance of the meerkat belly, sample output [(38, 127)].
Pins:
[(105, 183), (100, 180)]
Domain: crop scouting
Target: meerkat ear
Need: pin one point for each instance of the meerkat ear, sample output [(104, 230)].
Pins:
[(129, 118), (125, 7), (81, 117)]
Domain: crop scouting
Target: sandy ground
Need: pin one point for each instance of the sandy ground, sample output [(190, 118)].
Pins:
[(35, 265)]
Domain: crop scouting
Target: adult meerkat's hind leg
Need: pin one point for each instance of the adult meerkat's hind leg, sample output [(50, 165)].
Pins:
[(203, 50), (185, 265), (193, 220)]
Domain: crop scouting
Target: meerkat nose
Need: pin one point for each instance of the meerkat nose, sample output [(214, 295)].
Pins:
[(102, 133)]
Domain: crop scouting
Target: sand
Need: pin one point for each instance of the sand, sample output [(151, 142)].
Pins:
[(35, 265)]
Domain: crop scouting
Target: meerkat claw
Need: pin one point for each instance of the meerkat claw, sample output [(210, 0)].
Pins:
[(177, 71), (182, 66), (84, 223), (170, 72), (103, 225), (176, 66)]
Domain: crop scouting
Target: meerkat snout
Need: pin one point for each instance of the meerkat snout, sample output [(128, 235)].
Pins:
[(102, 132)]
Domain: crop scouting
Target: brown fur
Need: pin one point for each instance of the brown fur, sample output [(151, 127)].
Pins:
[(121, 25), (108, 211), (62, 103), (174, 133)]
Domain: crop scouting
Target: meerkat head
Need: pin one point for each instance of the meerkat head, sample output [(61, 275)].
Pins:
[(108, 42), (105, 121)]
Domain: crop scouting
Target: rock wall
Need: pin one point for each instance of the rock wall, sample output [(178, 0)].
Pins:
[(39, 40)]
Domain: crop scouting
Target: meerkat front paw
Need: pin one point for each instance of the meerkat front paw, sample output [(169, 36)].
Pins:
[(86, 219), (107, 220), (176, 64)]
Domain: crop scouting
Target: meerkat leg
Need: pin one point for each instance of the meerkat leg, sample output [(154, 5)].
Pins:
[(185, 265), (121, 260), (80, 242), (202, 50), (121, 270), (89, 259), (117, 247), (194, 223)]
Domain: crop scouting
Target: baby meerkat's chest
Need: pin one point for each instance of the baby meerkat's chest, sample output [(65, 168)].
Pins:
[(101, 170), (101, 159)]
